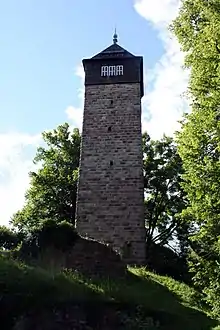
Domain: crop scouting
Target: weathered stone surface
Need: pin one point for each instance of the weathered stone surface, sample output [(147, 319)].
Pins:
[(110, 203), (96, 259)]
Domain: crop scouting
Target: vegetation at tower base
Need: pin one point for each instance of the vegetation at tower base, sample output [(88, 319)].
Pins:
[(36, 299), (197, 28)]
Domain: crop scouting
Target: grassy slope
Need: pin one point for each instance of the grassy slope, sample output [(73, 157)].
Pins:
[(177, 304)]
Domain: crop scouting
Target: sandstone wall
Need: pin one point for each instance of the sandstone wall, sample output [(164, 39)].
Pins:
[(110, 203)]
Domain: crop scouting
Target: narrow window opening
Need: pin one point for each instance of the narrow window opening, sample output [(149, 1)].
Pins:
[(111, 162), (104, 71), (109, 129), (119, 70), (111, 102), (127, 250), (111, 70)]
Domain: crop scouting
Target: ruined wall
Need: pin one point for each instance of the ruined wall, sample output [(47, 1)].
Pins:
[(89, 258), (110, 199)]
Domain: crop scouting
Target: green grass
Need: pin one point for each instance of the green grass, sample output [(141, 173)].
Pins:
[(174, 304)]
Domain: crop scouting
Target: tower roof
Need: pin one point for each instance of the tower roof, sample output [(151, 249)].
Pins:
[(114, 56), (113, 51)]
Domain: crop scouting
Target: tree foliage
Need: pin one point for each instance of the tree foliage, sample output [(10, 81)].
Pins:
[(165, 198), (197, 28), (50, 233), (9, 239), (52, 192)]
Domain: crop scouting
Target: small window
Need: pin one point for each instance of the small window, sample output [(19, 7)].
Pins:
[(111, 102), (109, 129), (119, 70), (104, 71), (111, 70), (111, 162)]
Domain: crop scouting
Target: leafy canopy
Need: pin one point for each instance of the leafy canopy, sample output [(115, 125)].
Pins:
[(197, 28), (52, 192), (164, 197)]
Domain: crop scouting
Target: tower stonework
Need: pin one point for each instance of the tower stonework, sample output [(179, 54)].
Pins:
[(110, 198)]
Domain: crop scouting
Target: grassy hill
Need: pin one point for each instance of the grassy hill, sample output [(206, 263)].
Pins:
[(142, 301)]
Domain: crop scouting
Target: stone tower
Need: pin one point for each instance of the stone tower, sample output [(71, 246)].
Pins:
[(110, 201)]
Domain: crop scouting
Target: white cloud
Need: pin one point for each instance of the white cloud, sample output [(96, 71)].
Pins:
[(163, 103), (80, 72), (15, 164), (158, 12), (75, 114), (17, 151)]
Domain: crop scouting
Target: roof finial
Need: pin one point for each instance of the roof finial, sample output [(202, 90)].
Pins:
[(115, 37)]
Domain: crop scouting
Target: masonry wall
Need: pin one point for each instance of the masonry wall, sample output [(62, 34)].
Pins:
[(110, 205)]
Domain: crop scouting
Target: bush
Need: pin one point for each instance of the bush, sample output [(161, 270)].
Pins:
[(9, 239), (61, 235), (166, 262)]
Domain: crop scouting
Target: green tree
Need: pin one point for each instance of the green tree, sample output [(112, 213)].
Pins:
[(52, 192), (197, 28), (9, 239), (50, 233), (164, 197)]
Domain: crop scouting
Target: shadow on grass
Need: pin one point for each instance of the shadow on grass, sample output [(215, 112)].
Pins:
[(165, 306), (157, 302), (24, 290)]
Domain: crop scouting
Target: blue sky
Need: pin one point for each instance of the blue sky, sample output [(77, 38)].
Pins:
[(43, 41), (42, 45)]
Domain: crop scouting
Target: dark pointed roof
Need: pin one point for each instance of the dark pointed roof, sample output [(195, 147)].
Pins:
[(113, 51), (117, 55)]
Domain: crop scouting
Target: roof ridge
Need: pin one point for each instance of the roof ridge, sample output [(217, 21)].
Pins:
[(113, 49)]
